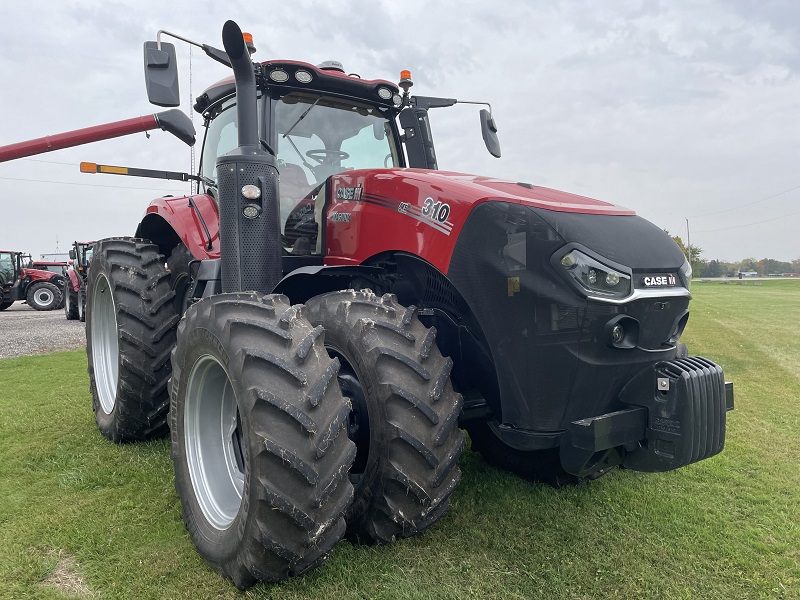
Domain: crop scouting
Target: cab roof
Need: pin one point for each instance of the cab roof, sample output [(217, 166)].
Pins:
[(284, 73)]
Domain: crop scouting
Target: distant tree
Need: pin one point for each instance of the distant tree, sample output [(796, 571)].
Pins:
[(748, 264), (796, 266), (774, 267), (713, 269)]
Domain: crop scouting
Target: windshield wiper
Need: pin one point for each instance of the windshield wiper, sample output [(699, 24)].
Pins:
[(303, 116)]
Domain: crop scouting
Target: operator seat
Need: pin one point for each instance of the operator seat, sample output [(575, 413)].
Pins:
[(297, 211)]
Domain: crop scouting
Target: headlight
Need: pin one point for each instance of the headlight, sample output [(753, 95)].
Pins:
[(594, 277), (686, 273)]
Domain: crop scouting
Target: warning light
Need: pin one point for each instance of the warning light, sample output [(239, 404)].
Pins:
[(405, 81), (87, 167), (248, 41)]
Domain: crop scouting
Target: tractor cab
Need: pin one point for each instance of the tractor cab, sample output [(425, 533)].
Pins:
[(81, 255), (318, 122), (10, 265), (10, 277)]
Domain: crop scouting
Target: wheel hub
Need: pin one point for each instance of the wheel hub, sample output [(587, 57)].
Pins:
[(105, 345), (213, 439)]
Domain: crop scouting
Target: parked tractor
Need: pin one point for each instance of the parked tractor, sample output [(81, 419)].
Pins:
[(315, 328), (75, 280), (54, 266), (41, 289)]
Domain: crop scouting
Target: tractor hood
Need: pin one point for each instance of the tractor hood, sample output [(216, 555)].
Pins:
[(475, 189)]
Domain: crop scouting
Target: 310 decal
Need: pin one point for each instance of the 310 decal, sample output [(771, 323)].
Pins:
[(436, 210)]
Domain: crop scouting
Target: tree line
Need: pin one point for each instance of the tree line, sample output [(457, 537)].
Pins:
[(720, 268)]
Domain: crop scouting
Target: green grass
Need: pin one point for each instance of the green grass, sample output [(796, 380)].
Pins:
[(74, 505)]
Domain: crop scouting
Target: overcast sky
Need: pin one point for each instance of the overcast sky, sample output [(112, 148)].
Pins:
[(677, 109)]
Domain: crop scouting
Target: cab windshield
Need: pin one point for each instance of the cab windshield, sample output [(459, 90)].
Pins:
[(7, 267), (321, 136)]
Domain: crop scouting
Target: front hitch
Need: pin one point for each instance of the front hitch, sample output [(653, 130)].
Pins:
[(674, 415)]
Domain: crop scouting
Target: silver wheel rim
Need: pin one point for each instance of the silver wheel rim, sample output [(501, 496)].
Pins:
[(210, 424), (43, 296), (66, 299), (105, 345)]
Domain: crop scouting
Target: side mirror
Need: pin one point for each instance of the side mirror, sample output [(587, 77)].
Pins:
[(72, 253), (161, 74), (489, 132)]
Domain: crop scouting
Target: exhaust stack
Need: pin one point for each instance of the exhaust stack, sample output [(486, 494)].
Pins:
[(249, 210)]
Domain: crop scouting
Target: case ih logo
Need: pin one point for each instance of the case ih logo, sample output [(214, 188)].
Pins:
[(658, 280), (345, 193)]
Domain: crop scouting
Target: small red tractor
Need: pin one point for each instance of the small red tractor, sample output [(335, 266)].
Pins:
[(75, 280), (40, 288), (53, 266), (315, 328)]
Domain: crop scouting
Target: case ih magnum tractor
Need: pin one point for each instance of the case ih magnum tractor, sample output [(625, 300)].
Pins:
[(75, 280), (334, 310), (41, 289)]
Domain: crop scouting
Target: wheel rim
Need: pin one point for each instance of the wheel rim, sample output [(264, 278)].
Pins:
[(43, 296), (358, 424), (105, 345), (66, 299), (213, 442)]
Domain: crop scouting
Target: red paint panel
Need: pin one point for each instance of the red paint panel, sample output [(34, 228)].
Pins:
[(184, 220), (374, 211)]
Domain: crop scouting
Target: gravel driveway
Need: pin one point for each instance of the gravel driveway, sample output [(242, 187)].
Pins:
[(25, 331)]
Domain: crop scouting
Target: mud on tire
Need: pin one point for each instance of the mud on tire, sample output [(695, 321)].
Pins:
[(130, 333), (264, 488), (405, 418)]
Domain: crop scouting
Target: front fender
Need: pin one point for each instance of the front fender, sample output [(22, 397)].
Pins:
[(193, 221)]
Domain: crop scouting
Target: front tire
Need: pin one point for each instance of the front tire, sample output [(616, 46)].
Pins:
[(70, 301), (259, 439), (130, 333), (81, 305), (44, 295), (405, 413)]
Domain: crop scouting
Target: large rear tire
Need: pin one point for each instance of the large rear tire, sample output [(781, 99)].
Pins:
[(259, 438), (44, 295), (405, 413), (130, 333)]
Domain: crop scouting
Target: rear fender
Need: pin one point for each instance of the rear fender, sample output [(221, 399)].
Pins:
[(194, 221), (74, 280)]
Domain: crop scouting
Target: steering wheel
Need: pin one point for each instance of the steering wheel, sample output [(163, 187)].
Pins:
[(327, 157)]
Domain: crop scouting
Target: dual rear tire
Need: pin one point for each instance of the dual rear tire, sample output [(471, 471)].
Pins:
[(259, 437), (251, 389), (405, 413)]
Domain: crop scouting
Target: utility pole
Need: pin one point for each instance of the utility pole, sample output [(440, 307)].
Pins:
[(688, 243)]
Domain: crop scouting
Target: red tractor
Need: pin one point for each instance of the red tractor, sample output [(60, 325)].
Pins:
[(41, 289), (54, 266), (316, 327), (75, 280)]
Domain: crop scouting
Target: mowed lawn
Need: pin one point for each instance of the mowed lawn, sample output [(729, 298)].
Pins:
[(81, 517)]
